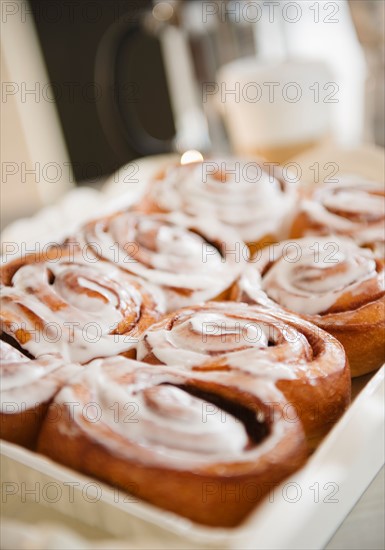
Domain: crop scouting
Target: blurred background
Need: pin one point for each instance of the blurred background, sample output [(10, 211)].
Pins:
[(89, 86)]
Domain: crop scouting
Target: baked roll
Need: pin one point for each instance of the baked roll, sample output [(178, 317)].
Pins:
[(329, 281), (73, 304), (305, 363), (351, 207), (249, 195), (204, 448), (190, 259), (27, 388)]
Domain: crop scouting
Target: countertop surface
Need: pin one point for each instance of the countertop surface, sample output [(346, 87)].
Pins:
[(363, 528)]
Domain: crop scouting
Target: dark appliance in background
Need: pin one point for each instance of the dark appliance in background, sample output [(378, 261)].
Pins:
[(108, 80), (129, 75)]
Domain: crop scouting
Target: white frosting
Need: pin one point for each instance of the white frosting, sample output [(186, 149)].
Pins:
[(77, 314), (235, 191), (145, 415), (18, 378), (353, 207), (327, 268), (166, 251), (27, 383), (184, 429), (232, 335)]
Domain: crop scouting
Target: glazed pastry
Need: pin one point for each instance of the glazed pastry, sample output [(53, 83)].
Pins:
[(176, 439), (331, 282), (75, 305), (189, 263), (305, 363), (251, 196), (27, 388), (352, 207)]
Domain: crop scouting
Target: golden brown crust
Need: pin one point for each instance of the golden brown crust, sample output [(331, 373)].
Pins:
[(23, 428), (8, 270), (300, 226), (207, 490), (256, 200), (202, 499), (318, 389), (357, 316), (361, 332), (350, 206), (266, 240), (189, 260), (68, 289), (27, 388)]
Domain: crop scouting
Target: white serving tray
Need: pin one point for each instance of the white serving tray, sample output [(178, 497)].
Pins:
[(302, 512), (336, 475)]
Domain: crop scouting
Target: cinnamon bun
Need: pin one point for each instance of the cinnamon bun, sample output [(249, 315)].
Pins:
[(308, 365), (329, 281), (190, 259), (27, 388), (204, 448), (73, 304), (251, 196), (351, 207)]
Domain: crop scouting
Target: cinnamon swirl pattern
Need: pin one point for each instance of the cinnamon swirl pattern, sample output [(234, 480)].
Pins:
[(306, 364), (176, 439), (352, 207), (27, 388), (189, 262), (331, 282), (81, 309), (238, 192)]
